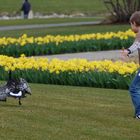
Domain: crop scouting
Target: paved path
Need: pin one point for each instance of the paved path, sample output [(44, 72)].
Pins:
[(36, 26), (98, 55)]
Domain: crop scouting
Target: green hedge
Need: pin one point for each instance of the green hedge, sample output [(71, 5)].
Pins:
[(65, 47), (90, 79)]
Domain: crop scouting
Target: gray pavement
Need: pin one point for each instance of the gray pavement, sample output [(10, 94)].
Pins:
[(97, 55), (38, 26)]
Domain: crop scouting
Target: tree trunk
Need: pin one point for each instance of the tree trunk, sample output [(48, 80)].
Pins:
[(122, 9)]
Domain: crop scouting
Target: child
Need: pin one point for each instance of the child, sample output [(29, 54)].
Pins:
[(135, 85)]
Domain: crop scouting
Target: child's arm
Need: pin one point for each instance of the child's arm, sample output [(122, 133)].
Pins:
[(133, 47)]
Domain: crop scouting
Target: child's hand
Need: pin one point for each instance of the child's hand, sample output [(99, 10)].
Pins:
[(125, 52)]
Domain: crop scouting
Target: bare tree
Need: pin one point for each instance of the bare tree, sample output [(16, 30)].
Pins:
[(122, 9)]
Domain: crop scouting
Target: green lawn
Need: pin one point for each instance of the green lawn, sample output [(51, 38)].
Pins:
[(66, 30), (57, 6), (69, 113)]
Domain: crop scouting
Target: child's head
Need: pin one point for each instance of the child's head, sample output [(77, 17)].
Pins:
[(135, 21)]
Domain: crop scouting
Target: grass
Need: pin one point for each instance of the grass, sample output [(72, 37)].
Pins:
[(66, 30), (69, 113), (57, 6)]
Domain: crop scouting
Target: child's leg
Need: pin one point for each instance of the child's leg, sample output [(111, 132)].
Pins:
[(135, 93)]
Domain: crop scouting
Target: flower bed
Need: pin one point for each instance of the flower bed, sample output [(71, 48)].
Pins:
[(49, 44), (77, 72)]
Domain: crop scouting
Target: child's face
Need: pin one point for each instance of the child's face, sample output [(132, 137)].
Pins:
[(134, 27)]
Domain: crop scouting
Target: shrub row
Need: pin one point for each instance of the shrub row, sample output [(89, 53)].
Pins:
[(90, 78), (65, 47)]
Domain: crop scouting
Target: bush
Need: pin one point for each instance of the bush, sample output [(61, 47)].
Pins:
[(87, 79)]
